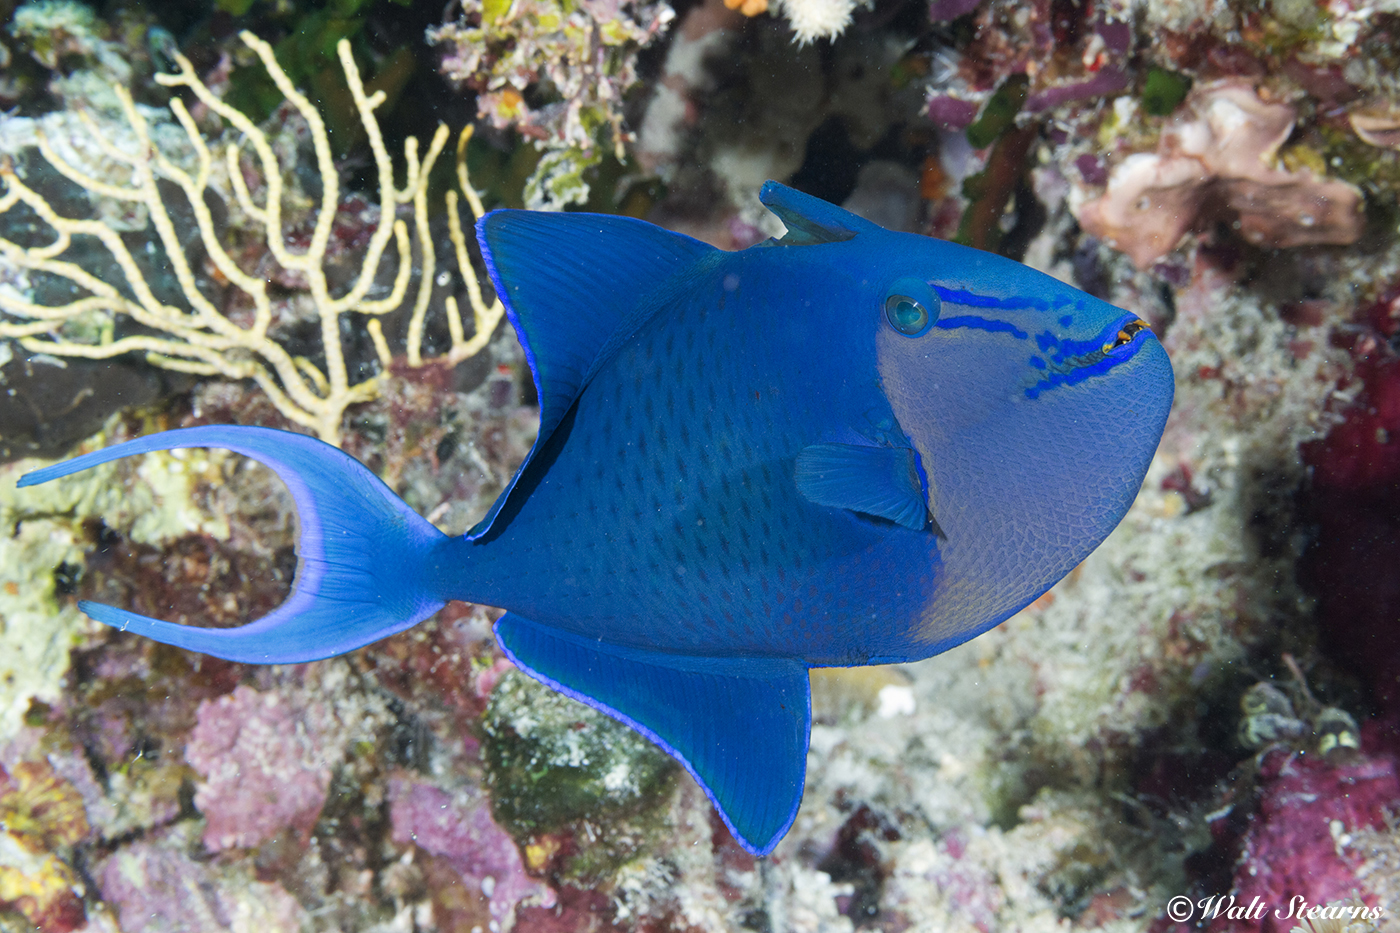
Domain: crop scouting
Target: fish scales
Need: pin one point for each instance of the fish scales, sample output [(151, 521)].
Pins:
[(847, 446), (688, 524)]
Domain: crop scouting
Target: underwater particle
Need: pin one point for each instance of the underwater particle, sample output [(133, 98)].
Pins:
[(264, 769), (1217, 157), (458, 830), (1163, 91)]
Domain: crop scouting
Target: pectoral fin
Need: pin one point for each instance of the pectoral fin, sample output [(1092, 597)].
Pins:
[(740, 726), (879, 481)]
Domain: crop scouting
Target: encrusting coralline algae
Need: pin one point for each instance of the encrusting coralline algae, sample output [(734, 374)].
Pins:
[(1077, 767)]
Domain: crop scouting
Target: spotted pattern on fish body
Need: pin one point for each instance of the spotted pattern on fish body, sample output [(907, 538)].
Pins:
[(848, 446), (692, 501)]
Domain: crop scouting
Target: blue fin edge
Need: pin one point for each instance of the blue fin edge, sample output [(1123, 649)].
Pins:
[(481, 528)]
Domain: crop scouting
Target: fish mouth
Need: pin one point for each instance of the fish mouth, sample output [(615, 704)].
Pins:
[(1129, 329), (1070, 362)]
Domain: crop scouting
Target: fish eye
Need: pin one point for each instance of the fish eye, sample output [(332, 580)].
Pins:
[(911, 307), (906, 315), (1126, 334)]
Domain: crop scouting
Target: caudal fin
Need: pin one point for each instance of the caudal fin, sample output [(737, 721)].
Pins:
[(364, 557)]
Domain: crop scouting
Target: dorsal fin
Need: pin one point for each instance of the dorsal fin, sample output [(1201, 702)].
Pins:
[(574, 287), (810, 220)]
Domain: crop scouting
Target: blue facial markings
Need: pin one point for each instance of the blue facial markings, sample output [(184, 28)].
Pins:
[(1061, 360), (1014, 303), (957, 296), (982, 323), (1073, 361)]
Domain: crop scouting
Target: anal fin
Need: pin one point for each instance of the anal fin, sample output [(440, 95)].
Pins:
[(740, 726)]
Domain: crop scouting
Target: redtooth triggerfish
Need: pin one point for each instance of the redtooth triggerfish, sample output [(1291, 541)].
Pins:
[(847, 446)]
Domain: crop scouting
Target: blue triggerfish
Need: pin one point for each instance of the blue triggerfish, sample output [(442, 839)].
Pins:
[(846, 446)]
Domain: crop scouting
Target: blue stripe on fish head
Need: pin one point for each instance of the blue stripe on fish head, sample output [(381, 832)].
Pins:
[(1035, 409)]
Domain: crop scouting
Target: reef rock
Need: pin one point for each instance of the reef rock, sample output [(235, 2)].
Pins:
[(1216, 161)]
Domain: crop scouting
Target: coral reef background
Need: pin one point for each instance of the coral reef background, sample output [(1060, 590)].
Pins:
[(1208, 707)]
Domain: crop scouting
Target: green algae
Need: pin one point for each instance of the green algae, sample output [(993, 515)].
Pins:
[(1163, 91), (553, 762), (999, 115)]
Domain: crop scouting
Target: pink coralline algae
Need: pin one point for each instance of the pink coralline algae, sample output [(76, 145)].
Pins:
[(1101, 72), (264, 769), (459, 831), (1295, 845), (156, 888), (1215, 161)]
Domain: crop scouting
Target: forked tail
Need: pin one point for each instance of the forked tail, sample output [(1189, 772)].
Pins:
[(365, 560)]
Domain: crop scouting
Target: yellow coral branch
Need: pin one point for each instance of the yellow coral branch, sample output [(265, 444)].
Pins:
[(485, 317), (200, 338)]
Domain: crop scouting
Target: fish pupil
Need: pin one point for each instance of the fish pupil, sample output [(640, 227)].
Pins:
[(906, 315)]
